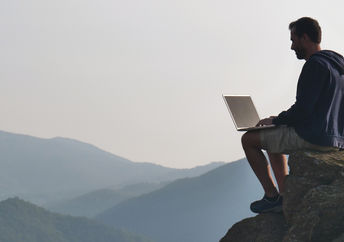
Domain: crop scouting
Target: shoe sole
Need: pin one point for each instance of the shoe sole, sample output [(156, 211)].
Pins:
[(273, 210)]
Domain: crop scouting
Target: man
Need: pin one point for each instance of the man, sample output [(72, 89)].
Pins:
[(315, 121)]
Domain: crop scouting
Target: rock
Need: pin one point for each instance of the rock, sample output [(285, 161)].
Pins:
[(313, 205), (339, 239), (262, 228)]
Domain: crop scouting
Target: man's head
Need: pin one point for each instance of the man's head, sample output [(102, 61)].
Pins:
[(305, 34)]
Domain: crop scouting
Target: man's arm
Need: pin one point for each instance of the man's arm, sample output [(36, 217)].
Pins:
[(312, 82)]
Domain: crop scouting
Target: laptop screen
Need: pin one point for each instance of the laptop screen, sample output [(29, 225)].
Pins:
[(242, 110)]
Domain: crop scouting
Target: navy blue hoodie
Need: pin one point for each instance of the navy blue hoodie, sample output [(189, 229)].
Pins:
[(318, 113)]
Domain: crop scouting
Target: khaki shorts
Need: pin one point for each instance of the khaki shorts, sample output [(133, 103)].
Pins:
[(283, 139)]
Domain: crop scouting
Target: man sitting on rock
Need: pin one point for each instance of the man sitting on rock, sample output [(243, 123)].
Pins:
[(314, 122)]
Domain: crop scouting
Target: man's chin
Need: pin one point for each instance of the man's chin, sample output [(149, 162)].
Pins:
[(299, 56)]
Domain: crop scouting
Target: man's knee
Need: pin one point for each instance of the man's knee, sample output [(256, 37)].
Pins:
[(245, 139), (250, 139)]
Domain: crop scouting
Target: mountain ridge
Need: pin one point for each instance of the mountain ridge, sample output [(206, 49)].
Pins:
[(190, 209), (21, 221), (45, 170)]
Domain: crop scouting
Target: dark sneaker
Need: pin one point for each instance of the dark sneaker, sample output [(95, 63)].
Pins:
[(266, 205)]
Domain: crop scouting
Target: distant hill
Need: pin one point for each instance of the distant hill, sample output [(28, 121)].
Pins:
[(192, 209), (46, 170), (21, 221), (93, 203)]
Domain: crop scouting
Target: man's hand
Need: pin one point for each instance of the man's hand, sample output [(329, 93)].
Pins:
[(265, 121)]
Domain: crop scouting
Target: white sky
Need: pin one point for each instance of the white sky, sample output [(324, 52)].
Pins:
[(143, 78)]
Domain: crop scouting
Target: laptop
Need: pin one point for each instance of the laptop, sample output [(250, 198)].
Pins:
[(243, 112)]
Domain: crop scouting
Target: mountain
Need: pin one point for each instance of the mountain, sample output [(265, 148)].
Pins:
[(192, 209), (21, 221), (95, 202), (45, 170)]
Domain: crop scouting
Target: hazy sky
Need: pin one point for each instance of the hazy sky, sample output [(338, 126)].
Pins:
[(143, 79)]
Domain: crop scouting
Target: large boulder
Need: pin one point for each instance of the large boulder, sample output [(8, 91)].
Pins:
[(313, 208)]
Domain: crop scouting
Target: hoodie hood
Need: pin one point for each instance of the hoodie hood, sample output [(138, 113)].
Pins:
[(335, 59)]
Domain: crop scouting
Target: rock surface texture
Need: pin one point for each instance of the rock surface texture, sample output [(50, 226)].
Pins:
[(313, 208)]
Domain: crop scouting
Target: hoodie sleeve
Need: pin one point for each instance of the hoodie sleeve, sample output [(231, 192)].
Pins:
[(311, 82)]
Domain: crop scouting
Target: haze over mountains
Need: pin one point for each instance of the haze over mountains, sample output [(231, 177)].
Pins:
[(95, 202), (192, 209), (48, 170), (162, 204)]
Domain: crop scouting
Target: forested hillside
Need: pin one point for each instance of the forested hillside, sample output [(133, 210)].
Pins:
[(21, 221)]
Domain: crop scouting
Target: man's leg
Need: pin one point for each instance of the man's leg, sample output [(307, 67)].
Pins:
[(280, 168), (253, 150)]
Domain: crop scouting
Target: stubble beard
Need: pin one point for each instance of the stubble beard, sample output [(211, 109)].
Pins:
[(300, 54)]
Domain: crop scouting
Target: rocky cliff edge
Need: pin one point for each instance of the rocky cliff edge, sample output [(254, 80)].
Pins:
[(313, 208)]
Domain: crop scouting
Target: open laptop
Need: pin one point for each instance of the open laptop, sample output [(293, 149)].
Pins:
[(243, 112)]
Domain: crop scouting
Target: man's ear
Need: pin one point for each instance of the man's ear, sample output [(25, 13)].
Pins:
[(305, 37)]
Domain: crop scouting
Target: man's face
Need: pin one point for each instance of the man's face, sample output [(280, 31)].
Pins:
[(297, 45)]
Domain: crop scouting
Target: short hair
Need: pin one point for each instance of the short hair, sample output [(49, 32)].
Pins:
[(307, 26)]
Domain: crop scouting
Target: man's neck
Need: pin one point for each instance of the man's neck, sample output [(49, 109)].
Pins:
[(312, 50)]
